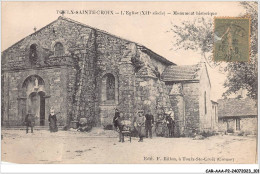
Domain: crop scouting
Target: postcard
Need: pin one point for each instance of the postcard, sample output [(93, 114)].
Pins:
[(129, 82)]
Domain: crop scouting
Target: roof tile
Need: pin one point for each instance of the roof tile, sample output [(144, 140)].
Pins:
[(181, 73), (236, 107)]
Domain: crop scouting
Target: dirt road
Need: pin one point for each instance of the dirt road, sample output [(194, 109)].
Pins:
[(103, 147)]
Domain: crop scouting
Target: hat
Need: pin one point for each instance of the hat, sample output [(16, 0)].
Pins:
[(52, 111)]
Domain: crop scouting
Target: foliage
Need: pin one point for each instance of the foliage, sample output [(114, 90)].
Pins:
[(198, 35), (230, 131), (244, 74)]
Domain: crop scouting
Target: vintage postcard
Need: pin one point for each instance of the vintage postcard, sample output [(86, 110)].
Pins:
[(129, 82)]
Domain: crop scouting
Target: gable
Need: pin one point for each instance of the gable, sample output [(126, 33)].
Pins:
[(69, 34), (72, 34), (203, 74)]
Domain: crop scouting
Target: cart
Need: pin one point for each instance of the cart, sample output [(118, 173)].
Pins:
[(127, 128)]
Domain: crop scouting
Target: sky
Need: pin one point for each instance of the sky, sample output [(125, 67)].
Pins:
[(19, 19)]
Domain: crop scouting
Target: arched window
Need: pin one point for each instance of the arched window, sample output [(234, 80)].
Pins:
[(205, 102), (58, 49), (33, 54), (110, 87)]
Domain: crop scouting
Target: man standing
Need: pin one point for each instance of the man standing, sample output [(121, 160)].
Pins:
[(29, 121), (118, 126), (149, 120)]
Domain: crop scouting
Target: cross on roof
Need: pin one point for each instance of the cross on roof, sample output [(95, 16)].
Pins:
[(62, 12)]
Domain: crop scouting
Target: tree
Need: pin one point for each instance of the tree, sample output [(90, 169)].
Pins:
[(198, 35), (244, 74)]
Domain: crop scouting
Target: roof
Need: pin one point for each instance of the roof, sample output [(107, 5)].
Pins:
[(237, 107), (141, 47), (181, 73), (213, 102)]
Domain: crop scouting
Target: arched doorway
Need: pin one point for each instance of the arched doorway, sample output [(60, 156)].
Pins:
[(33, 88), (42, 108), (36, 105)]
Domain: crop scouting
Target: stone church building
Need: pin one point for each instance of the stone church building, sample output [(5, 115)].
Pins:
[(83, 72)]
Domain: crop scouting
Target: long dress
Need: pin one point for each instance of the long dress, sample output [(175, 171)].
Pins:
[(53, 123), (140, 126)]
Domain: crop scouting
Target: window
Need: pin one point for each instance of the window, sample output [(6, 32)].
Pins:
[(216, 114), (33, 54), (237, 124), (110, 87), (205, 102), (58, 49)]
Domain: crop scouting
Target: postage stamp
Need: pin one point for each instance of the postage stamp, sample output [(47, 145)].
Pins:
[(231, 39)]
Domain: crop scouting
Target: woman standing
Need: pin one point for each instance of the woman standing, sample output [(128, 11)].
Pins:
[(139, 124), (53, 121)]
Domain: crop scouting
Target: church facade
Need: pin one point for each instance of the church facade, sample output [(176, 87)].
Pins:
[(81, 72)]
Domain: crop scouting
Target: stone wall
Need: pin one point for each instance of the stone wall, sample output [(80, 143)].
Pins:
[(114, 57), (205, 89), (151, 96), (184, 98), (214, 116), (58, 73), (73, 81), (85, 87), (248, 125), (71, 35), (15, 98), (222, 125), (177, 104), (191, 106)]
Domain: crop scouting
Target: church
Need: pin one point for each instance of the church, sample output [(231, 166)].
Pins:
[(84, 72)]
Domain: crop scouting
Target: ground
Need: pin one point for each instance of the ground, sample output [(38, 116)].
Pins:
[(101, 146)]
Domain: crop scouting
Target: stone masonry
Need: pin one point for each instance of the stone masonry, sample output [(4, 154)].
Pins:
[(76, 82), (83, 72)]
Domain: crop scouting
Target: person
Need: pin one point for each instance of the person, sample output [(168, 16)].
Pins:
[(139, 125), (116, 118), (159, 125), (118, 126), (29, 121), (83, 125), (149, 121), (53, 121), (171, 114), (173, 127), (170, 122), (169, 125)]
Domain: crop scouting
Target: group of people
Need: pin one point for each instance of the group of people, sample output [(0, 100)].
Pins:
[(30, 121), (143, 123)]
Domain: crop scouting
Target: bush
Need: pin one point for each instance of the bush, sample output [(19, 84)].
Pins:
[(241, 133), (66, 127), (108, 127), (206, 134), (230, 131)]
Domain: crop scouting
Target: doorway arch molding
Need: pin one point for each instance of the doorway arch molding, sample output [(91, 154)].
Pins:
[(29, 91)]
